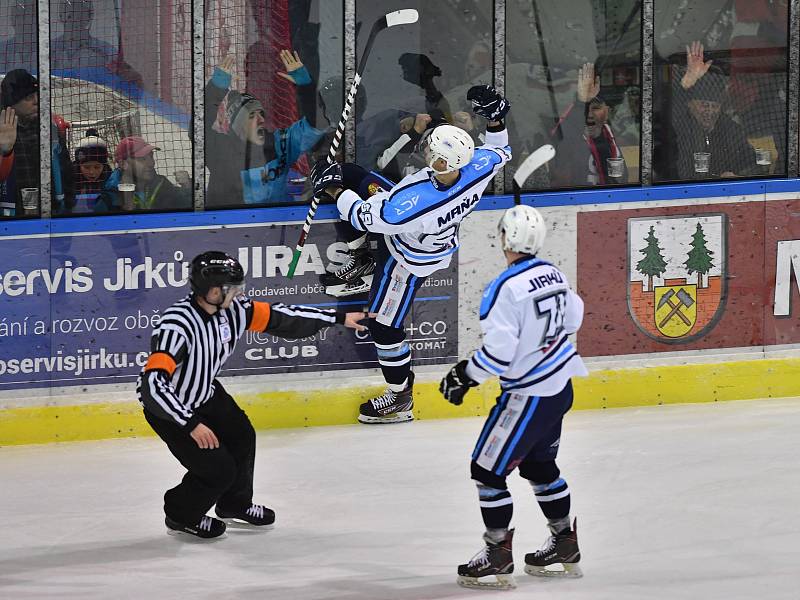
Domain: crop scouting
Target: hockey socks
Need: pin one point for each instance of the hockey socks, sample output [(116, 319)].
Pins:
[(497, 508), (553, 499)]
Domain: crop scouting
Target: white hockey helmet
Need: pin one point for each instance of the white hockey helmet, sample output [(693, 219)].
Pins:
[(453, 145), (524, 229)]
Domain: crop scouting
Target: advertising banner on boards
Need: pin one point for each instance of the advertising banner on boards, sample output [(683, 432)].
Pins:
[(78, 309), (672, 278)]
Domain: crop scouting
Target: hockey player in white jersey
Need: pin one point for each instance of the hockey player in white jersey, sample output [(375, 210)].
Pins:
[(526, 314), (419, 219)]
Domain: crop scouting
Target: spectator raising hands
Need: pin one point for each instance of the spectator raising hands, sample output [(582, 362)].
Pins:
[(588, 83), (295, 71), (8, 130), (695, 67)]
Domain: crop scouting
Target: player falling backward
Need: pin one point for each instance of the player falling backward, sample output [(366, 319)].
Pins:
[(189, 408), (526, 314), (419, 218)]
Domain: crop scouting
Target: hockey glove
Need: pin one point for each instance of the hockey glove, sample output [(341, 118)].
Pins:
[(456, 383), (487, 102), (324, 176)]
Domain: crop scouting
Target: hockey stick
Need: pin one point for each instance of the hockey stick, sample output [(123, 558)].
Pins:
[(540, 157), (404, 16)]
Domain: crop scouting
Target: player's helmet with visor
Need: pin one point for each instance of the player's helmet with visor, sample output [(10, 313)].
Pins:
[(215, 269), (449, 143), (524, 229)]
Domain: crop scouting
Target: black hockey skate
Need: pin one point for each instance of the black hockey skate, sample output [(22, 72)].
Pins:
[(359, 263), (494, 560), (207, 528), (559, 549), (389, 407), (257, 515)]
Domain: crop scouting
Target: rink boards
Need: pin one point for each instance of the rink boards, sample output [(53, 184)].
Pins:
[(689, 293)]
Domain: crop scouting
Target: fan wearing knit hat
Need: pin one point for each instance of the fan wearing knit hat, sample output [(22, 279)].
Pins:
[(249, 163), (91, 166)]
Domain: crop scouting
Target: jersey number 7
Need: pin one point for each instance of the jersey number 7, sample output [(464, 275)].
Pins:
[(551, 307)]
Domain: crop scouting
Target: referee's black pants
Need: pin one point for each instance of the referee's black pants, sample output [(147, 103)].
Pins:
[(222, 476)]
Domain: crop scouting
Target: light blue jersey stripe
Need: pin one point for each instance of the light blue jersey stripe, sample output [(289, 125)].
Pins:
[(520, 431)]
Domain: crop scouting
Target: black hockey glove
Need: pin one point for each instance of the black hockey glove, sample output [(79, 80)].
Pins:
[(324, 176), (487, 102), (456, 383)]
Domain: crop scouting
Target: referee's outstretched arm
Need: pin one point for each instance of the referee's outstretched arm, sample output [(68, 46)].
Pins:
[(189, 349)]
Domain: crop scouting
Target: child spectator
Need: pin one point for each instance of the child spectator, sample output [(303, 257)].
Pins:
[(91, 166)]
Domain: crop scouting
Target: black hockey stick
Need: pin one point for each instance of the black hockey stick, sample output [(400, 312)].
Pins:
[(538, 158), (404, 16)]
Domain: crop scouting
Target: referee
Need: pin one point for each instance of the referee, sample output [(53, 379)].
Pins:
[(189, 409)]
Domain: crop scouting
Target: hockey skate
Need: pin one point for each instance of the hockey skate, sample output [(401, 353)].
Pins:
[(559, 549), (389, 407), (258, 515), (359, 264), (494, 560), (207, 528), (343, 289)]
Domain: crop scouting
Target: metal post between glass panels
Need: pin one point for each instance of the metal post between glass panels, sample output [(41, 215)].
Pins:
[(45, 112), (646, 140), (793, 134), (198, 105)]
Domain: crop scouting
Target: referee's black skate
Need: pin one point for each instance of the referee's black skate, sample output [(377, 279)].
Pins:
[(561, 548), (495, 562), (207, 528), (257, 515), (389, 407)]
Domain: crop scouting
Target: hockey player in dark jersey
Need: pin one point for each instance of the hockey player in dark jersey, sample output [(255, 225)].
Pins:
[(189, 408), (526, 314), (418, 220)]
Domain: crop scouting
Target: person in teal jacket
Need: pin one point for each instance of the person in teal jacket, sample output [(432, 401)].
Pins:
[(247, 163)]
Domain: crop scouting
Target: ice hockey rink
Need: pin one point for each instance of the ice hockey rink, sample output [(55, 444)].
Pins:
[(673, 502)]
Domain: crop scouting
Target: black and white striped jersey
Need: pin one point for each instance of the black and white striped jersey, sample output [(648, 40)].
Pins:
[(527, 314), (189, 348)]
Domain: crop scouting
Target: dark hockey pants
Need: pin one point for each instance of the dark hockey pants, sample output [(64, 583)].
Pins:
[(222, 476)]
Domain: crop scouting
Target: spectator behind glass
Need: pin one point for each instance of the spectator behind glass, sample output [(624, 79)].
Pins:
[(701, 127), (247, 163), (21, 51), (137, 169), (78, 50), (587, 142), (91, 168), (402, 158), (420, 71), (20, 92)]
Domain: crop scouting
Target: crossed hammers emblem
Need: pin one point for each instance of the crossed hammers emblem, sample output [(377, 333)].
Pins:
[(685, 301)]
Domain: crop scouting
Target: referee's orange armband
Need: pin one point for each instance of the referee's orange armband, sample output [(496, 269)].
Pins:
[(261, 312), (160, 360)]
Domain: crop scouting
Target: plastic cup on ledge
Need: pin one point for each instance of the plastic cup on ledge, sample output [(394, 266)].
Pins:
[(616, 167), (30, 201), (702, 162), (763, 157)]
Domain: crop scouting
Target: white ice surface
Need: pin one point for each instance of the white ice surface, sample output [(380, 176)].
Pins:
[(676, 502)]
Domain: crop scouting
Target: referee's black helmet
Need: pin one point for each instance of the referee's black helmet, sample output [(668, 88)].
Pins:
[(214, 269)]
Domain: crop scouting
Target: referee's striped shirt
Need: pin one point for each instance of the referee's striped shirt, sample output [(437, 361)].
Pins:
[(189, 347)]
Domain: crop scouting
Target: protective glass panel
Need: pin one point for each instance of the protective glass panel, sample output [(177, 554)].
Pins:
[(573, 76), (269, 64), (19, 110), (416, 76), (120, 73), (719, 108)]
